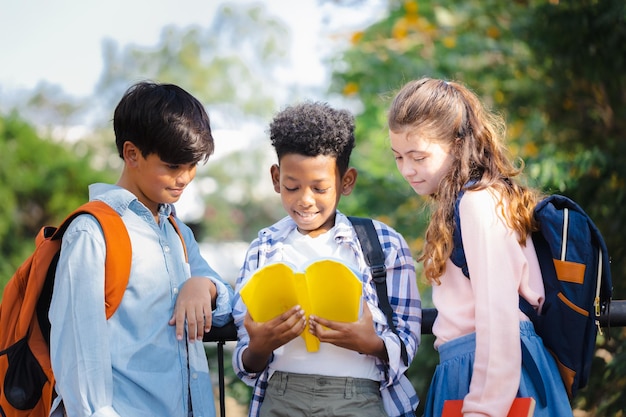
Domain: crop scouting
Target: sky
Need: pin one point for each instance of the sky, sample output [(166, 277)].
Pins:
[(60, 41)]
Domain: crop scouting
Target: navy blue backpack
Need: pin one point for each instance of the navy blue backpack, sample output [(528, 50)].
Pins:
[(576, 273)]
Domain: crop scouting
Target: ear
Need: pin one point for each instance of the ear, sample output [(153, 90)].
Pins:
[(130, 153), (275, 173), (348, 181)]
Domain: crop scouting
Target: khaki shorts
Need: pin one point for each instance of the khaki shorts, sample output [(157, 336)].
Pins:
[(292, 395)]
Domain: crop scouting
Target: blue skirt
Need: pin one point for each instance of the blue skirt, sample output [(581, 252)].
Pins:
[(540, 377)]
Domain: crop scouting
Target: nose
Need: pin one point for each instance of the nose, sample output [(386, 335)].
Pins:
[(406, 169), (186, 175), (306, 198)]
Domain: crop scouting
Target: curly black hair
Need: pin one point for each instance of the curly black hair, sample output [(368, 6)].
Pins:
[(313, 129)]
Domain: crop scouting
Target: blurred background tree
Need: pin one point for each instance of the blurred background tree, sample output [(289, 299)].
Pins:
[(231, 66), (554, 68), (40, 181)]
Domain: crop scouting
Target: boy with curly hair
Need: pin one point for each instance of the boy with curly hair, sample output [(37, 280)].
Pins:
[(358, 369)]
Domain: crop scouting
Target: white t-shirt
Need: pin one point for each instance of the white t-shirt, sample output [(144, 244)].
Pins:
[(329, 360)]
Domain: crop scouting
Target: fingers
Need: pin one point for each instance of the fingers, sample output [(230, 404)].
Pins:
[(193, 308), (357, 336), (267, 336), (321, 325), (178, 319), (274, 333), (198, 322), (288, 325), (323, 329)]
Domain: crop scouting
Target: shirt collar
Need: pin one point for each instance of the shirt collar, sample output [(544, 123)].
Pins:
[(280, 230), (121, 199)]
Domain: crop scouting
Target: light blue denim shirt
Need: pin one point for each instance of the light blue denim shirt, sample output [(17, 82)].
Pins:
[(131, 364)]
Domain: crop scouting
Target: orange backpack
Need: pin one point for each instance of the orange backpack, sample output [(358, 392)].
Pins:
[(26, 378)]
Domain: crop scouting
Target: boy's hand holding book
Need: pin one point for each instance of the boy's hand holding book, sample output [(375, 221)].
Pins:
[(325, 288), (267, 336), (359, 336)]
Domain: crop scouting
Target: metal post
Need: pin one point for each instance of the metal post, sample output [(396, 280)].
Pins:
[(220, 367)]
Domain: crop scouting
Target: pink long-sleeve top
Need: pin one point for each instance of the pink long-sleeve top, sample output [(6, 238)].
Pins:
[(488, 304)]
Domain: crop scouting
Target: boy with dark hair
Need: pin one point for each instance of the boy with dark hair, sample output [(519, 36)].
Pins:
[(147, 359), (358, 369)]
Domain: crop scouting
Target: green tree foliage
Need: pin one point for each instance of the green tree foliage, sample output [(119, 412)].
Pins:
[(585, 104), (231, 67), (40, 182), (556, 70), (244, 201)]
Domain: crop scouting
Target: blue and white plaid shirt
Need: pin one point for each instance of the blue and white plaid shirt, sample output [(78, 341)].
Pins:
[(398, 394)]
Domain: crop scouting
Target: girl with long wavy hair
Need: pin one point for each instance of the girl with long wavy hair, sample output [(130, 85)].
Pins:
[(447, 146)]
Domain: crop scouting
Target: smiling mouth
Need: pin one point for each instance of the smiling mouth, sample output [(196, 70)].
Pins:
[(306, 215)]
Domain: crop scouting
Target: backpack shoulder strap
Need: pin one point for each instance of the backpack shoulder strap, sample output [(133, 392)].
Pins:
[(172, 220), (458, 253), (457, 256), (375, 258), (118, 249)]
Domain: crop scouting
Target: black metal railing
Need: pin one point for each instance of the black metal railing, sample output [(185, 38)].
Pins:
[(615, 317)]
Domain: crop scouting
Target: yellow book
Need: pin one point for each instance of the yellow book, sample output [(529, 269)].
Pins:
[(325, 288)]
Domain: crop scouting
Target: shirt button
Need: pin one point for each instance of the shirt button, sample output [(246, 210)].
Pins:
[(194, 375), (175, 290), (166, 249)]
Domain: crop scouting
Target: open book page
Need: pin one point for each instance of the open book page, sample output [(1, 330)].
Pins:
[(325, 287)]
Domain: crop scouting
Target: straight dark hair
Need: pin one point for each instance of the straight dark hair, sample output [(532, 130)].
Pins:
[(165, 120)]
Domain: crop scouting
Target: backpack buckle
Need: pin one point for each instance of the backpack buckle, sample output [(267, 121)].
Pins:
[(379, 273)]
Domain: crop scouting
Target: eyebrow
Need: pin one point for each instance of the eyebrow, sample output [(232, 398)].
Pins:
[(412, 151), (317, 180)]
